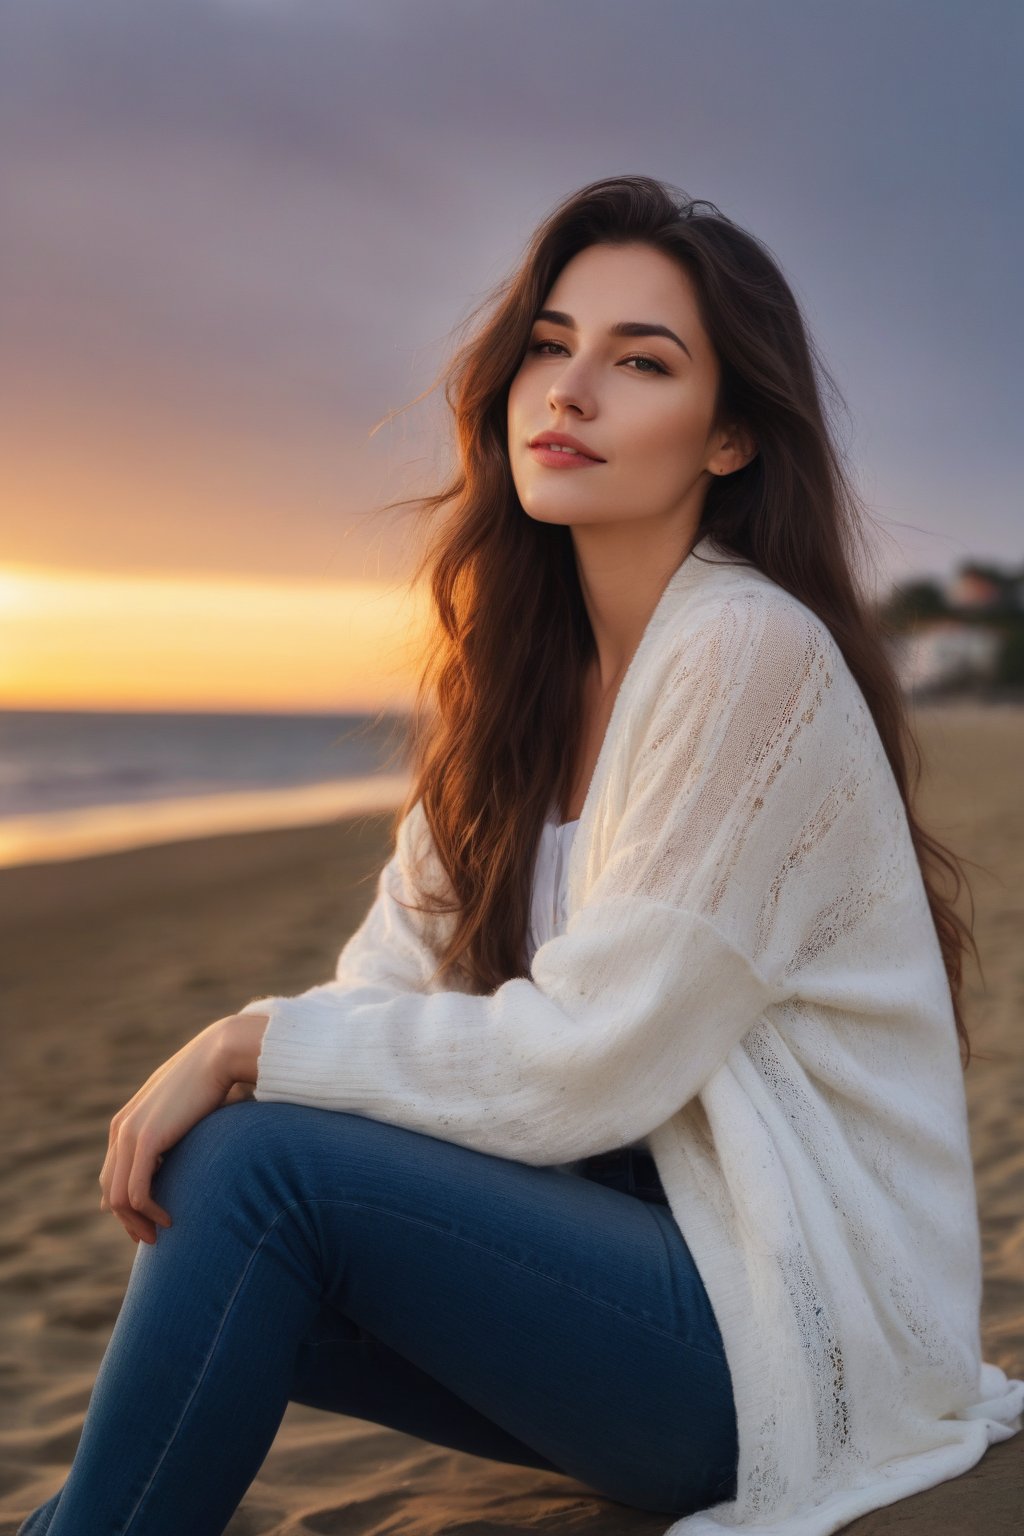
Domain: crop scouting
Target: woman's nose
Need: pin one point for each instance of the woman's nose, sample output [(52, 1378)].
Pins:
[(571, 389)]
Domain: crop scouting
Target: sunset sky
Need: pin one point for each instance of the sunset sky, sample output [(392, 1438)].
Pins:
[(235, 236)]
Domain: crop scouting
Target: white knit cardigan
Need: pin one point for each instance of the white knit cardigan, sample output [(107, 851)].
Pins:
[(750, 977)]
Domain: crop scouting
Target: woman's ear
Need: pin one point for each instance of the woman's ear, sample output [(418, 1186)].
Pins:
[(735, 450)]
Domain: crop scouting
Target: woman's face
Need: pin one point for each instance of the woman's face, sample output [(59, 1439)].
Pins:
[(643, 404)]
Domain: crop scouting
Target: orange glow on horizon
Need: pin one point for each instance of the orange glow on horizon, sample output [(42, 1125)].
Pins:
[(72, 640)]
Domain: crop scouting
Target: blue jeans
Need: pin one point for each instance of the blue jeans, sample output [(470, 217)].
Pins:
[(514, 1312)]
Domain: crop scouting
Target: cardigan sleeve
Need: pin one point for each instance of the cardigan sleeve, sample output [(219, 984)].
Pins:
[(683, 940)]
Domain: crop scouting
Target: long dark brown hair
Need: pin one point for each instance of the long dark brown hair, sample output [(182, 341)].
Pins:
[(498, 711)]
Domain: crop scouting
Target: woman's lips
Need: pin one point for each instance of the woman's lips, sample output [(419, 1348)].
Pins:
[(557, 458)]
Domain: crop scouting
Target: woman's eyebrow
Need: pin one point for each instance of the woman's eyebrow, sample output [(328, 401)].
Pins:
[(624, 327)]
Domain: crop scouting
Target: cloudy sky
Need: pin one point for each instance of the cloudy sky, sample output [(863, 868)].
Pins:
[(235, 235)]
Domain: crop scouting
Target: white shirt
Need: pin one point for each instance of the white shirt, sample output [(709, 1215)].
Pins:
[(548, 913), (550, 882), (749, 976)]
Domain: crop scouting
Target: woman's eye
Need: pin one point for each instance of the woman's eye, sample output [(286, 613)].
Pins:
[(635, 357)]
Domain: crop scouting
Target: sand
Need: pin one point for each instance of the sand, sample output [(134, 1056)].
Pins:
[(108, 964)]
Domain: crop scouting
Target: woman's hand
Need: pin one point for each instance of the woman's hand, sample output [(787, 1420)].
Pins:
[(191, 1084)]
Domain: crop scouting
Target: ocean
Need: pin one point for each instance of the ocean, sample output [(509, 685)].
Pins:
[(78, 782)]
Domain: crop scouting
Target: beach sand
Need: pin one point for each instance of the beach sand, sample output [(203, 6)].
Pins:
[(109, 964)]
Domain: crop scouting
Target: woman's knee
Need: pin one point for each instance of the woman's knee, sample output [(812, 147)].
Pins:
[(231, 1146)]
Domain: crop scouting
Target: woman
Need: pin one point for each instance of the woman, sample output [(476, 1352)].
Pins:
[(647, 1160)]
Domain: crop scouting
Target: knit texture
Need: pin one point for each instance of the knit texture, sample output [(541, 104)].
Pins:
[(749, 978)]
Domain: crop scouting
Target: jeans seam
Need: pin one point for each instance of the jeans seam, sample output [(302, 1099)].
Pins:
[(205, 1367), (484, 1248), (518, 1263)]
